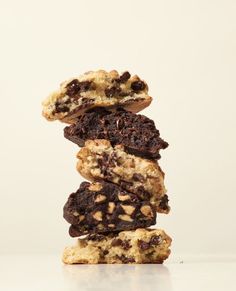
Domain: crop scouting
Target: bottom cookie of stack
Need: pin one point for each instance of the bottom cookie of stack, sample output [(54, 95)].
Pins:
[(140, 246)]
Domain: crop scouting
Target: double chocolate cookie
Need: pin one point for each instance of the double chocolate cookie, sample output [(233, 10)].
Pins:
[(105, 207), (137, 133), (140, 246), (96, 89), (98, 160)]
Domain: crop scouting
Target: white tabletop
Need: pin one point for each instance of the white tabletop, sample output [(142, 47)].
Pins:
[(47, 273)]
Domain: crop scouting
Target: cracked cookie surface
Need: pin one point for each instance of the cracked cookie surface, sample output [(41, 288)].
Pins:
[(96, 89), (141, 246), (105, 207), (136, 132), (98, 160)]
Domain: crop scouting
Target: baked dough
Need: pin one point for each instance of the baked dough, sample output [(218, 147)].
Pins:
[(98, 160), (141, 246), (105, 207), (96, 89), (136, 132)]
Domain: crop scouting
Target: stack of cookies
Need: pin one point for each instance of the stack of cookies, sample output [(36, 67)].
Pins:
[(118, 155)]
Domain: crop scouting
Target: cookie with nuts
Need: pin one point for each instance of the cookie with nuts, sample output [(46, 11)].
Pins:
[(96, 89), (140, 246), (99, 160), (105, 207), (137, 133)]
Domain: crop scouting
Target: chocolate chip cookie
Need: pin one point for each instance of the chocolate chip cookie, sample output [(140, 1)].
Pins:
[(137, 133), (140, 246), (96, 89), (99, 160)]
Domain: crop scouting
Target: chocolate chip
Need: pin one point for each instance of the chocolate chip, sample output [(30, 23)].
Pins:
[(126, 245), (86, 85), (75, 87), (60, 108), (164, 203), (150, 254), (144, 194), (125, 184), (155, 240), (138, 177), (143, 245), (106, 162), (116, 242), (124, 77), (125, 259), (113, 91), (103, 164), (105, 252), (138, 86)]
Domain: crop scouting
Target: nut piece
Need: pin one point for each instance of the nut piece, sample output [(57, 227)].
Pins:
[(111, 225), (82, 217), (98, 215), (100, 198), (146, 210), (100, 226), (129, 163), (123, 197), (75, 213), (95, 187), (111, 206), (128, 209), (125, 217)]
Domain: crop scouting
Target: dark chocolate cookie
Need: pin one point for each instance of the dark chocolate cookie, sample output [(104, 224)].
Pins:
[(105, 207), (135, 132)]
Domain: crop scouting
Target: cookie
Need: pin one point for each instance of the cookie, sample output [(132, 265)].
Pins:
[(96, 89), (135, 132), (104, 207), (98, 160), (140, 246)]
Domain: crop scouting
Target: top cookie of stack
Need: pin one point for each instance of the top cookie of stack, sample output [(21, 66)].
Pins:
[(96, 89)]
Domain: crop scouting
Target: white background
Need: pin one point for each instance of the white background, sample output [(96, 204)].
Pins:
[(184, 49)]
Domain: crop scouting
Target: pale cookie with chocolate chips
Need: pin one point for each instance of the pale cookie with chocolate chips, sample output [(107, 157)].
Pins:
[(99, 160), (96, 89), (141, 246), (105, 207)]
